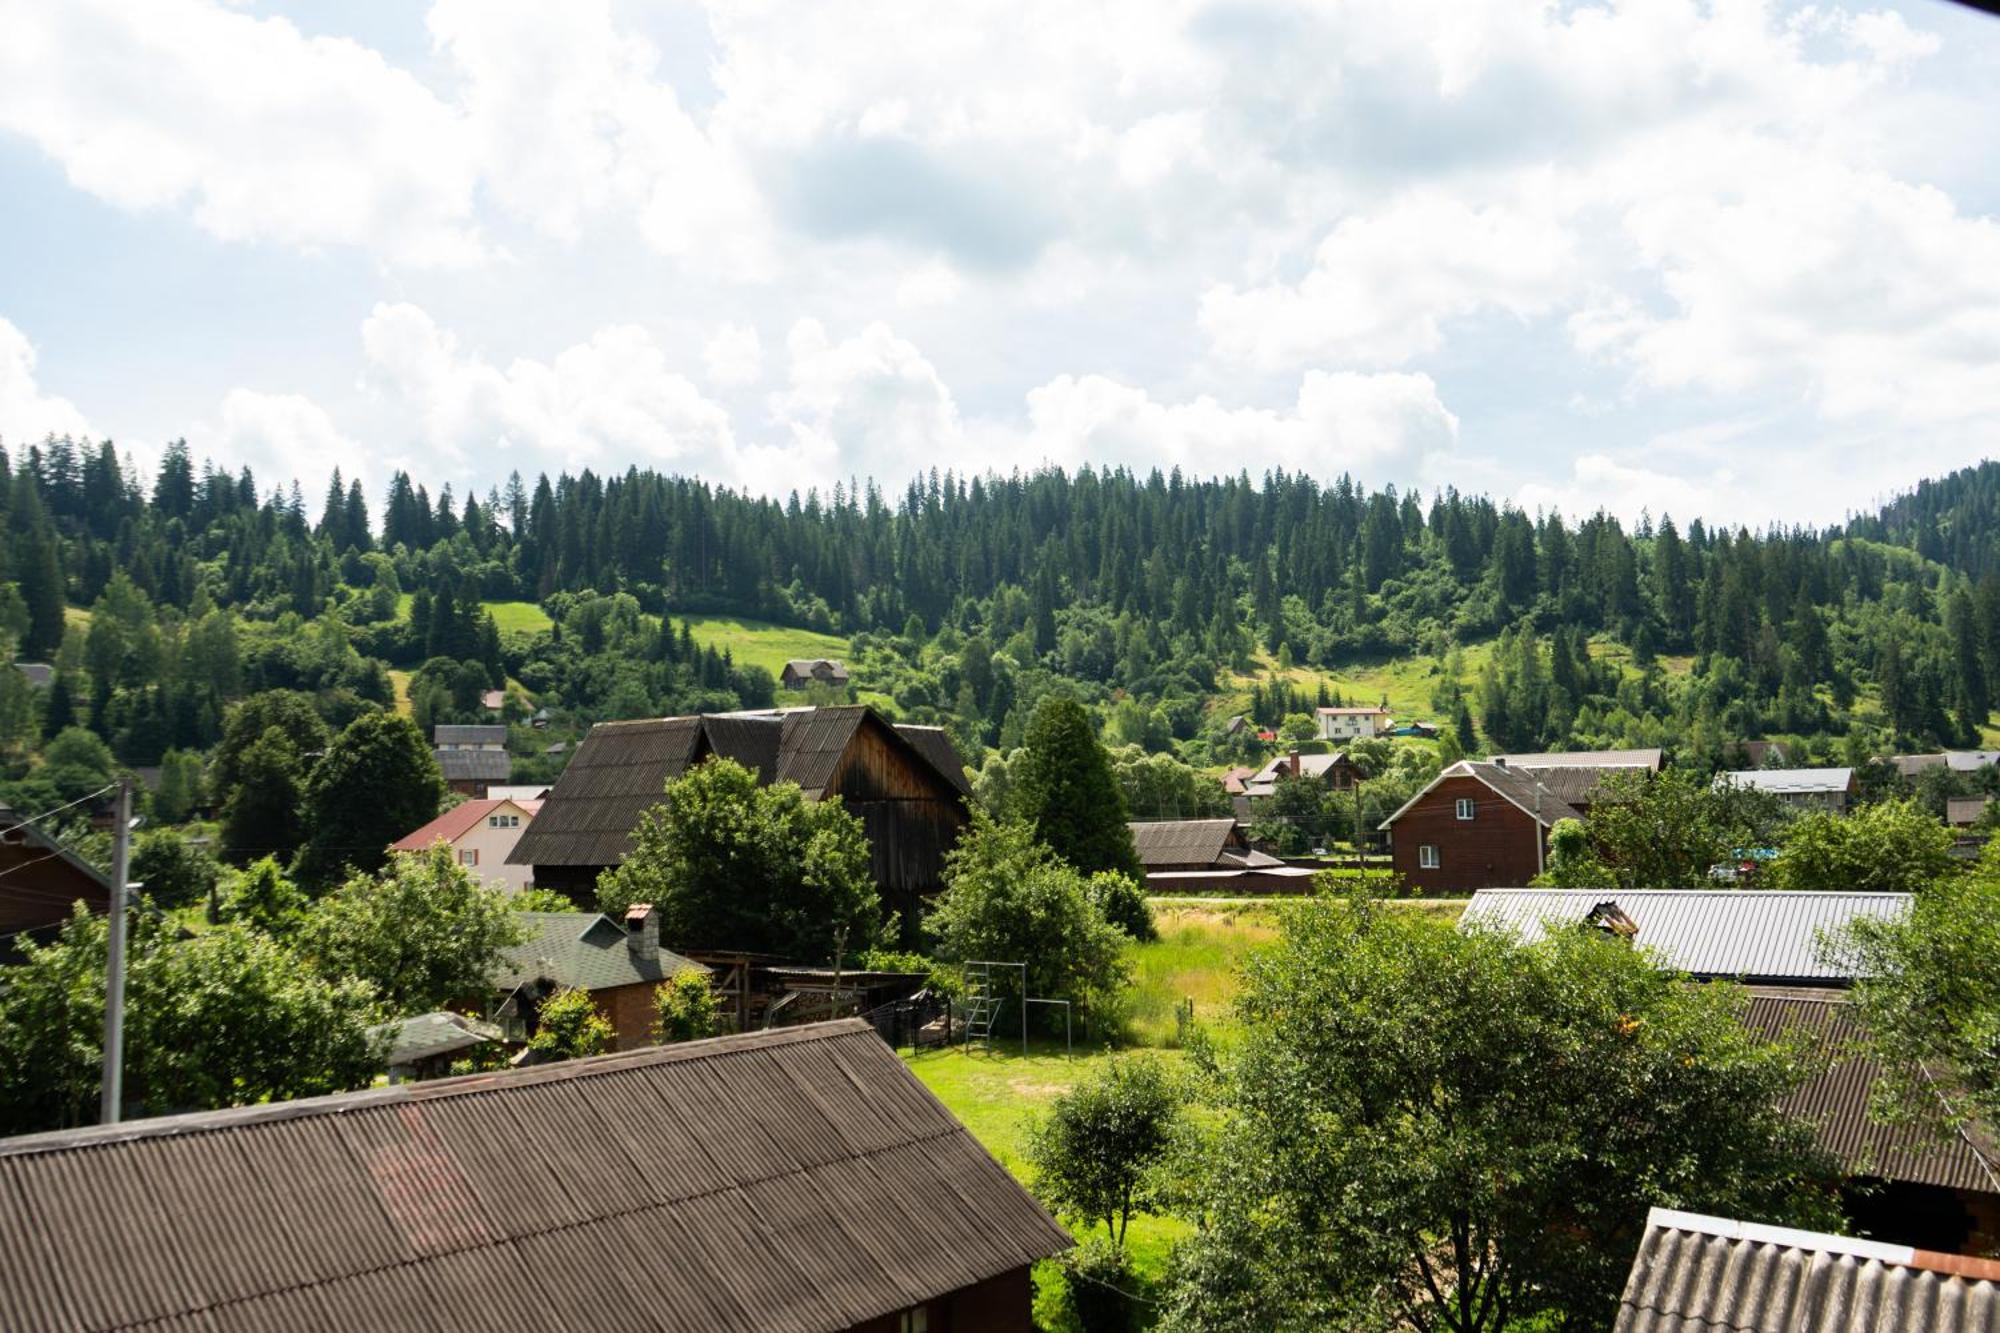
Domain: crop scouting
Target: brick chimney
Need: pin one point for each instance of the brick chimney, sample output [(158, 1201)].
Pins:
[(1292, 761), (642, 932)]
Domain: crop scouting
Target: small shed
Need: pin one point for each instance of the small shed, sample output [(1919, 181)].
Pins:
[(425, 1045)]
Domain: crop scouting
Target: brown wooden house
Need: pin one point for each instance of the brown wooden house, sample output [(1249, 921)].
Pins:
[(906, 785), (1476, 826), (40, 884), (799, 1179)]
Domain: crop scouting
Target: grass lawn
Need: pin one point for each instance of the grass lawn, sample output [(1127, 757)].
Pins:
[(759, 643), (519, 617), (399, 681), (1406, 682)]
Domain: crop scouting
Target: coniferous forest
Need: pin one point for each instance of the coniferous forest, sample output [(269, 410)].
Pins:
[(1168, 604)]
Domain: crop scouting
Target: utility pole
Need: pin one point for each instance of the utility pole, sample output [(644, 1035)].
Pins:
[(114, 982)]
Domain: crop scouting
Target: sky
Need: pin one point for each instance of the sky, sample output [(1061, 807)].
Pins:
[(1730, 260)]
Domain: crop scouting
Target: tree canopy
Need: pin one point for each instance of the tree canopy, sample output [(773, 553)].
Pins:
[(378, 781), (1064, 789)]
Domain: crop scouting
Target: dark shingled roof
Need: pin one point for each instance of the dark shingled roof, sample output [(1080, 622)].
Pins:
[(475, 765), (799, 1179), (422, 1036), (1198, 842), (1696, 1274), (463, 733), (581, 949), (622, 768), (1521, 789), (1836, 1102)]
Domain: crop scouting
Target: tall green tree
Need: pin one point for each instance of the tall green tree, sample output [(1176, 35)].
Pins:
[(1063, 786), (378, 781), (424, 933), (729, 864), (1888, 847), (1665, 831), (1442, 1129), (226, 1017), (261, 817)]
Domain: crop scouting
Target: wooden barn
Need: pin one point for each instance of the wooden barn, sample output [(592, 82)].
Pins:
[(906, 785), (41, 882)]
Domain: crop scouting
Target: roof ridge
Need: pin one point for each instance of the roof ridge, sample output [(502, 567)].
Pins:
[(1826, 1242), (340, 1103)]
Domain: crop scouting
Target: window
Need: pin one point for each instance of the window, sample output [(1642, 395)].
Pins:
[(1427, 857), (1465, 807), (469, 856), (916, 1321), (503, 821)]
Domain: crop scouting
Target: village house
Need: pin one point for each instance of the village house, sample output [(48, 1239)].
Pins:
[(41, 881), (1201, 855), (425, 1045), (1922, 1182), (906, 784), (1955, 761), (1475, 826), (1579, 777), (800, 1179), (40, 675), (1336, 771), (1710, 1273), (1801, 789), (1965, 811), (618, 965), (472, 756), (802, 672), (480, 834), (1347, 724)]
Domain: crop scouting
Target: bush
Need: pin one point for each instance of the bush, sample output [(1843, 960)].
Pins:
[(173, 871), (1123, 904), (569, 1026), (1098, 1280), (1096, 1151), (686, 1006)]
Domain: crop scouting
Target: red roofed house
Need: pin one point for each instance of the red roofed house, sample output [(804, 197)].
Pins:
[(480, 834)]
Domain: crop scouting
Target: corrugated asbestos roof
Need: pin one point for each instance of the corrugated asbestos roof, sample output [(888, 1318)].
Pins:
[(459, 733), (799, 1179), (1837, 1101), (1182, 841), (1696, 1274), (475, 765), (581, 949), (622, 768), (1753, 934), (1791, 781), (1576, 786)]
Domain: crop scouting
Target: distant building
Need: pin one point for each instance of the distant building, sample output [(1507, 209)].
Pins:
[(480, 834), (1829, 789), (1649, 760), (1335, 771), (1762, 937), (1580, 777), (425, 1045), (801, 672), (40, 675), (493, 700), (469, 736), (1199, 855), (800, 1179), (1957, 761), (1475, 826), (526, 791), (474, 772), (906, 784), (619, 965), (1347, 724), (41, 881), (1965, 811)]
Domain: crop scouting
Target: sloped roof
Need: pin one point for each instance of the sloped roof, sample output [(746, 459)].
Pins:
[(1521, 790), (586, 950), (475, 765), (1836, 1102), (468, 733), (793, 1180), (1583, 759), (1310, 766), (423, 1036), (460, 820), (805, 666), (1696, 1274), (1579, 786), (39, 674), (1183, 841), (1753, 934), (41, 881), (622, 768), (1790, 781)]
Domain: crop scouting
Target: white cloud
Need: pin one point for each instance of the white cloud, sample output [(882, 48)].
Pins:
[(281, 438), (261, 132), (870, 405), (27, 415), (733, 356)]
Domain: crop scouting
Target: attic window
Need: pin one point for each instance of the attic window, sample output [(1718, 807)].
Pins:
[(1465, 807)]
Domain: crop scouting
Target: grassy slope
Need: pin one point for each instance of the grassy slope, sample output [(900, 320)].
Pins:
[(1406, 682), (758, 643)]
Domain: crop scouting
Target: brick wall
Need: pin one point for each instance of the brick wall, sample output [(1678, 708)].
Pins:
[(630, 1011)]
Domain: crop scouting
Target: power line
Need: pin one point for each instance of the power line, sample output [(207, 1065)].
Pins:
[(58, 809)]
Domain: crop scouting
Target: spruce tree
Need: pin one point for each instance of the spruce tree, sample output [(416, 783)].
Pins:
[(1065, 789)]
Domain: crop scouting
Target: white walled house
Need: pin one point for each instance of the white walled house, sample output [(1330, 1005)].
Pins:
[(480, 835), (1346, 724)]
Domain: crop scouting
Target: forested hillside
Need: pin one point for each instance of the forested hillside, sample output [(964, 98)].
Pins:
[(1169, 604)]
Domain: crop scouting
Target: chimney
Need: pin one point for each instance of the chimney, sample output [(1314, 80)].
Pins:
[(1293, 760), (1499, 761), (642, 932)]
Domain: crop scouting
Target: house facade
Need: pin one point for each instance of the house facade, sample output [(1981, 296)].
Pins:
[(802, 672), (41, 882), (1348, 724), (481, 834), (1475, 826), (1803, 789), (617, 964), (1335, 771), (906, 784), (801, 1179)]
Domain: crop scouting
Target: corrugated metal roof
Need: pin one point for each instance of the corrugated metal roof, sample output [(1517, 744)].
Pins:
[(1583, 759), (460, 733), (582, 949), (1836, 1102), (799, 1179), (1696, 1274), (475, 765), (1749, 933), (1791, 781)]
